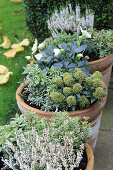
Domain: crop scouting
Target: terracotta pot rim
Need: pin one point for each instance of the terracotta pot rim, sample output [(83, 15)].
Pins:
[(90, 157), (101, 59), (19, 100)]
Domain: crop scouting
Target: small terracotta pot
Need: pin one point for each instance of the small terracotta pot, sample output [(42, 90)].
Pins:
[(94, 112), (90, 157)]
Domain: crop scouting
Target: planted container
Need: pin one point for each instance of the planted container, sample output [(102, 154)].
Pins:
[(94, 112)]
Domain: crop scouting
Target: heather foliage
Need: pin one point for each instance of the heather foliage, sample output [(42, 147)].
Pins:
[(69, 21), (59, 144)]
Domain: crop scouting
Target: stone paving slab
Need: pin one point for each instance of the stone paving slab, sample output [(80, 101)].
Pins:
[(104, 148)]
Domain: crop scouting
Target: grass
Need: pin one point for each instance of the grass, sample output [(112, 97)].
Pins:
[(14, 27)]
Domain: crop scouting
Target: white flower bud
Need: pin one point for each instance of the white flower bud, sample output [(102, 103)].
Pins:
[(57, 51), (38, 56), (28, 57), (85, 33), (34, 48), (41, 46)]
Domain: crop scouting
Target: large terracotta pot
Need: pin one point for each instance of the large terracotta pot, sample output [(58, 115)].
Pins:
[(94, 113), (90, 157), (104, 65)]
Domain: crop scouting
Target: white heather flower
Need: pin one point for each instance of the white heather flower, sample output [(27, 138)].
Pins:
[(38, 56), (34, 48), (28, 57), (85, 33), (57, 51), (41, 46)]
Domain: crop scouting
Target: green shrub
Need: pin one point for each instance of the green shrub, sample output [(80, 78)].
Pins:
[(38, 11)]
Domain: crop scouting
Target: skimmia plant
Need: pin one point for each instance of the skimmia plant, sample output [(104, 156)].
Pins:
[(55, 90)]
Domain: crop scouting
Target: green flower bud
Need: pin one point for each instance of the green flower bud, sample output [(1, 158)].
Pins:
[(58, 82), (66, 91), (71, 101), (99, 93), (57, 97), (84, 102), (67, 74), (77, 88), (89, 81), (79, 76), (68, 80), (98, 75), (77, 69), (97, 82)]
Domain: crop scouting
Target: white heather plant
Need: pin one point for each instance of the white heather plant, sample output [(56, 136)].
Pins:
[(59, 145), (69, 20)]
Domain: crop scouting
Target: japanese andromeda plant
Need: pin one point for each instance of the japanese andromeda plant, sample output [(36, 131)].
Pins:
[(68, 91), (32, 143)]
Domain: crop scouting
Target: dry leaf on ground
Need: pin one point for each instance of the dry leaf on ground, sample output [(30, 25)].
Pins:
[(16, 1), (3, 69), (1, 28), (11, 53), (4, 78), (6, 44), (25, 42)]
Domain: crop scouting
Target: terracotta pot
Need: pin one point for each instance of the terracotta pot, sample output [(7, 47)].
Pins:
[(104, 65), (106, 75), (94, 113), (90, 157)]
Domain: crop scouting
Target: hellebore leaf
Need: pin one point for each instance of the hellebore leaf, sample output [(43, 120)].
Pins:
[(25, 42), (4, 78), (11, 53), (6, 44), (3, 69)]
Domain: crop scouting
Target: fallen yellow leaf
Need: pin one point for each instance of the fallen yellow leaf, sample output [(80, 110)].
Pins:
[(3, 69), (25, 42), (4, 78), (1, 28), (0, 52), (16, 1), (11, 53), (6, 44)]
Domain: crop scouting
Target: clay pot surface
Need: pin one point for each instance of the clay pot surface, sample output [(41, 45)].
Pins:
[(90, 157), (92, 112), (102, 63)]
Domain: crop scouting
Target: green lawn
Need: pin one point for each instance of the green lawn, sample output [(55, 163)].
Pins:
[(14, 27)]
